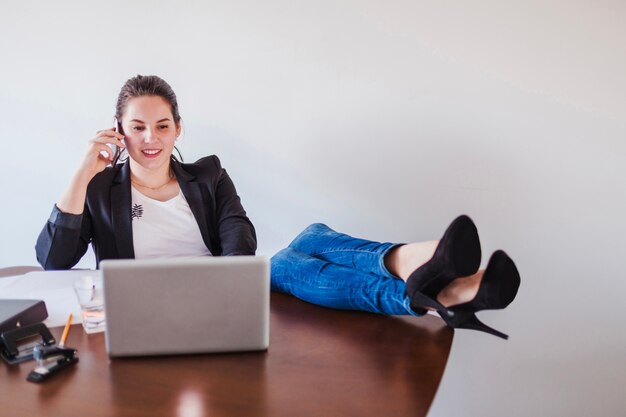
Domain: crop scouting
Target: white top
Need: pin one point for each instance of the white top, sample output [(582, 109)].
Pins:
[(164, 229)]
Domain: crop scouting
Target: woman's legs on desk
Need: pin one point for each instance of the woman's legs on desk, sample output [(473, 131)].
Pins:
[(336, 270)]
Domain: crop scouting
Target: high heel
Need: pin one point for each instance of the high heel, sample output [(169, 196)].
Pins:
[(471, 322), (457, 255), (497, 290)]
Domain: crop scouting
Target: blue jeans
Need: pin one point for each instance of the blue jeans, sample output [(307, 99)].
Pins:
[(335, 270)]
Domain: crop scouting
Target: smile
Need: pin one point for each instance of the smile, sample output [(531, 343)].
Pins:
[(151, 153)]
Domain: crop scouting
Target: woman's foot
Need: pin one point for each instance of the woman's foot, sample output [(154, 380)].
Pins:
[(402, 260), (457, 255), (491, 289), (502, 273), (461, 290)]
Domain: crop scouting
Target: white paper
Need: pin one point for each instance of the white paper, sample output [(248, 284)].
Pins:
[(53, 287)]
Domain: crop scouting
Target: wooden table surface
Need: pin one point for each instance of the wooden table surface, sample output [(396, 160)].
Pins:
[(320, 362)]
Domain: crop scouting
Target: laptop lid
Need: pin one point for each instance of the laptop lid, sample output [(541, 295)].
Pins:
[(186, 305)]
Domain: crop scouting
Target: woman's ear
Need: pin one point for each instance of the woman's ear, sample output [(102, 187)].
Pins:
[(178, 129)]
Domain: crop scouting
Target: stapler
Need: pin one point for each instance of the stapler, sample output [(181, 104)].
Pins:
[(50, 360)]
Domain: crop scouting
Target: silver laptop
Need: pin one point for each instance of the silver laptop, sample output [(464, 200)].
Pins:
[(186, 305)]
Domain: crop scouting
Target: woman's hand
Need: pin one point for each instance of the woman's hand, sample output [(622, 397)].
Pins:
[(99, 155)]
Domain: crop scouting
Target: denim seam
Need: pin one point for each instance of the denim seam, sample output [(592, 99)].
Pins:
[(306, 285), (379, 253), (344, 250), (385, 294)]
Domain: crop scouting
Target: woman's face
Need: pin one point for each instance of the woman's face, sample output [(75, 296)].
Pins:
[(149, 130)]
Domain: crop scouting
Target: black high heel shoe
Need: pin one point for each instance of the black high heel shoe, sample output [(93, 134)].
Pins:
[(497, 290), (457, 255)]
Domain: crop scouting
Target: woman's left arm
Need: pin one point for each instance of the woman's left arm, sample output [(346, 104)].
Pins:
[(236, 232)]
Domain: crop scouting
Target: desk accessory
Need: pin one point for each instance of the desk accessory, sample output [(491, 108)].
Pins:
[(19, 313), (17, 345), (50, 360)]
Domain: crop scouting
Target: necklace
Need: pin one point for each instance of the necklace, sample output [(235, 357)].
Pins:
[(152, 188)]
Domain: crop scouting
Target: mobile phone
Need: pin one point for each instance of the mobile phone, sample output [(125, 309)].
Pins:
[(118, 126), (117, 130), (114, 148)]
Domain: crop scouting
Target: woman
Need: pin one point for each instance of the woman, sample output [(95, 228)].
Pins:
[(152, 205), (195, 206)]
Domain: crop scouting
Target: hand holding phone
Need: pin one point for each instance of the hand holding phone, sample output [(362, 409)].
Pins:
[(100, 154), (102, 150)]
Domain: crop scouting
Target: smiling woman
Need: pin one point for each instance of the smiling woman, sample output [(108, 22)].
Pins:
[(149, 204)]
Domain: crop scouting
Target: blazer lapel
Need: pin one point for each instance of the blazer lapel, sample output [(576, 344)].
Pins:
[(121, 213), (194, 193)]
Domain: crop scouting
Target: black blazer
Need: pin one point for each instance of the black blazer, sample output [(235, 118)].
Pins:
[(106, 219)]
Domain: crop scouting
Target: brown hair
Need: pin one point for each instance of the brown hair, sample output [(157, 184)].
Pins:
[(145, 85)]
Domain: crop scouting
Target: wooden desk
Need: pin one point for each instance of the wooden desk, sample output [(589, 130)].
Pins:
[(321, 362)]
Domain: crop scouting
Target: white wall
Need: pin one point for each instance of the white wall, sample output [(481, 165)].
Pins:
[(385, 120)]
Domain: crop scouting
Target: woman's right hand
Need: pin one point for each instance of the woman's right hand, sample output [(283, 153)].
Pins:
[(99, 155)]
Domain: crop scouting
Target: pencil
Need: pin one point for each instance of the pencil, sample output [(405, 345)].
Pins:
[(66, 331)]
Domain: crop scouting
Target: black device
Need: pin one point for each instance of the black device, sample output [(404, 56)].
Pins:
[(19, 313), (17, 345), (21, 329), (114, 148), (50, 360)]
